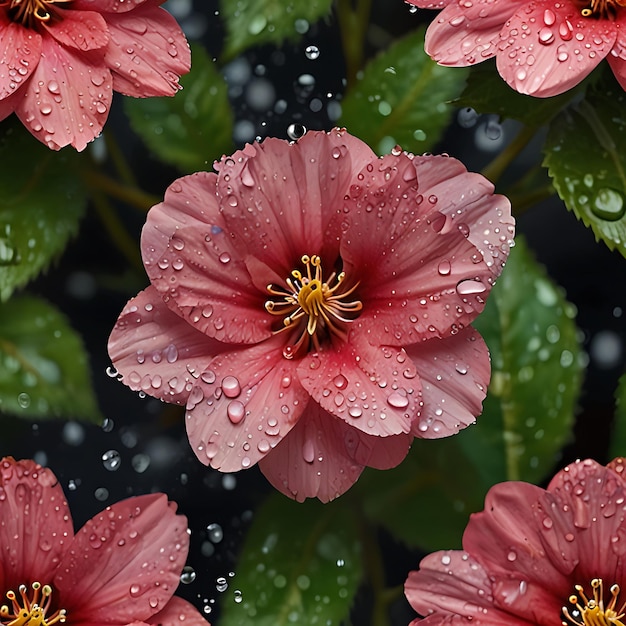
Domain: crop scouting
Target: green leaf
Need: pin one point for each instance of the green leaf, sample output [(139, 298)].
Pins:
[(300, 564), (43, 366), (536, 374), (486, 92), (427, 499), (193, 128), (585, 153), (618, 439), (41, 203), (255, 22), (401, 98)]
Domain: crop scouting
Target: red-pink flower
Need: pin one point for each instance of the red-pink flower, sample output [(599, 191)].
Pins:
[(122, 567), (310, 304), (60, 61), (535, 556), (542, 47)]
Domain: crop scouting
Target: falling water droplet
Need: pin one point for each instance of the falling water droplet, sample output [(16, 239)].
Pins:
[(296, 131), (188, 575), (111, 460), (312, 52)]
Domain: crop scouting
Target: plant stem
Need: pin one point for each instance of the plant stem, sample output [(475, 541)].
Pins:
[(523, 201), (129, 194), (353, 25), (496, 168), (119, 235)]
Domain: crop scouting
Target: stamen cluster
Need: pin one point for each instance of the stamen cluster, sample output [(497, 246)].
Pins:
[(31, 611)]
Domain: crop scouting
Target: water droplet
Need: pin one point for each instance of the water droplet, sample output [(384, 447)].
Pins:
[(231, 387), (308, 451), (467, 117), (221, 584), (296, 131), (188, 575), (397, 400), (444, 267), (549, 17), (235, 411), (135, 590), (312, 52), (340, 381), (23, 399), (466, 287), (215, 532), (546, 36), (111, 460), (608, 204), (224, 257), (511, 556)]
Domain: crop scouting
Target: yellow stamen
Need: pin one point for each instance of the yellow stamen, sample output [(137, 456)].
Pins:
[(33, 611), (602, 8), (30, 13), (313, 305), (591, 611)]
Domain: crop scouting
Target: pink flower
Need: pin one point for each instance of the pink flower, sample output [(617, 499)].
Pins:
[(535, 556), (542, 47), (310, 304), (60, 61), (122, 566)]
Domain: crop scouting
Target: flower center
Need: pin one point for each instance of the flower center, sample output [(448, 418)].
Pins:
[(30, 611), (313, 306), (602, 8), (31, 13), (591, 611)]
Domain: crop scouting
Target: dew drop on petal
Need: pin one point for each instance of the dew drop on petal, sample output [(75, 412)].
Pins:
[(308, 451), (397, 400), (231, 387), (466, 287), (235, 411)]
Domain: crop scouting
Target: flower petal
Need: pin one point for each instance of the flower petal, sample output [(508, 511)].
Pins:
[(373, 389), (464, 35), (243, 405), (176, 612), (83, 30), (470, 204), (190, 259), (157, 351), (284, 200), (147, 53), (125, 563), (455, 373), (452, 583), (111, 6), (74, 105), (35, 525), (316, 459), (421, 275), (547, 48), (20, 52)]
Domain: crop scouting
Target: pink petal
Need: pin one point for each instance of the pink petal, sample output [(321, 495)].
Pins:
[(147, 53), (453, 583), (74, 103), (83, 30), (429, 4), (617, 57), (463, 35), (176, 613), (519, 534), (316, 458), (191, 260), (455, 373), (420, 275), (35, 525), (20, 52), (595, 497), (373, 389), (156, 351), (243, 405), (125, 563), (284, 200), (112, 6), (547, 48), (468, 200)]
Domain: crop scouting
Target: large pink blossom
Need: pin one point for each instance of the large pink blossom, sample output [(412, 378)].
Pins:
[(535, 556), (542, 47), (310, 304), (60, 61), (121, 568)]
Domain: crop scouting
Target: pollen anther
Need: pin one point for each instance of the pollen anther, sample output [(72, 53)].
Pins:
[(602, 8), (592, 611), (30, 611), (31, 12), (313, 304)]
